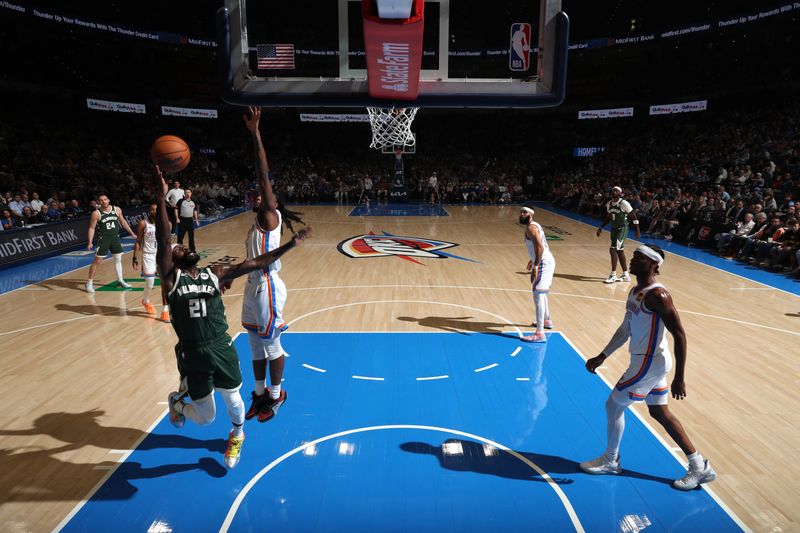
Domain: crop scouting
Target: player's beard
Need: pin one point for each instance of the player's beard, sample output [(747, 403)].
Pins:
[(524, 220), (188, 261)]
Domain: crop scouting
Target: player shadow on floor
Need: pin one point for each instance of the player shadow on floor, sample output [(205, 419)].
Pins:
[(101, 310), (578, 277), (41, 476), (463, 326), (58, 283), (83, 429), (470, 456), (793, 314)]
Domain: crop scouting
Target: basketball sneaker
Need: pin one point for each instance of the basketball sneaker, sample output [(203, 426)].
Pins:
[(625, 277), (601, 465), (548, 324), (148, 308), (270, 408), (124, 284), (234, 450), (611, 278), (695, 477), (164, 316), (536, 337), (90, 286), (256, 404), (176, 418)]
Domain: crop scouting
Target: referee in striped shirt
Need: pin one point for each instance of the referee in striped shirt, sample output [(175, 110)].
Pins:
[(187, 216)]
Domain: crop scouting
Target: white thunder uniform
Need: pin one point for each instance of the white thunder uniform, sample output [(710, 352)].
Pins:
[(547, 266), (149, 250), (651, 360), (265, 293)]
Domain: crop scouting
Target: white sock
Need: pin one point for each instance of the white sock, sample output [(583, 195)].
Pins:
[(615, 414), (150, 282), (261, 387), (166, 308), (613, 273), (274, 391), (538, 300), (624, 272), (696, 460), (238, 430), (118, 266)]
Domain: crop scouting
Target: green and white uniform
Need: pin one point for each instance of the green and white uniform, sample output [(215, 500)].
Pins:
[(619, 212), (107, 230), (206, 356)]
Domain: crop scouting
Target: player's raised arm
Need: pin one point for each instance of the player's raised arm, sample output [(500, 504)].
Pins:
[(226, 273), (268, 210), (163, 233)]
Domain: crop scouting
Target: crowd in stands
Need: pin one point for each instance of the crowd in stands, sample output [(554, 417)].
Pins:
[(726, 183)]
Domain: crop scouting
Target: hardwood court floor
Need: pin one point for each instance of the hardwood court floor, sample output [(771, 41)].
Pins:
[(84, 377)]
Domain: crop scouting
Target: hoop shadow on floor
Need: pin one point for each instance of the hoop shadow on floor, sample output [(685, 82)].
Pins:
[(41, 476), (469, 456)]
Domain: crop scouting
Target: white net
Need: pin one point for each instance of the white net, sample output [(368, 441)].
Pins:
[(392, 126)]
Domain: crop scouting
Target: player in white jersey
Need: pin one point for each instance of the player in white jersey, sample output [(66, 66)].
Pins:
[(265, 293), (146, 242), (649, 311), (542, 265)]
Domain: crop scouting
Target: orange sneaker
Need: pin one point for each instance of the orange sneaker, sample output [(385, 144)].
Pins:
[(165, 316), (148, 308)]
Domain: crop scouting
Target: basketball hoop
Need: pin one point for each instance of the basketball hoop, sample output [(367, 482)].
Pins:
[(392, 126)]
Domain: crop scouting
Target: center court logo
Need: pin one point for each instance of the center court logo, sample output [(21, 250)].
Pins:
[(408, 248)]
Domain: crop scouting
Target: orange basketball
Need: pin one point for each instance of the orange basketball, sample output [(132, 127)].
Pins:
[(170, 153)]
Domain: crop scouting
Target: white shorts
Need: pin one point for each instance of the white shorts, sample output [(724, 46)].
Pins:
[(148, 265), (262, 306), (544, 280), (645, 379)]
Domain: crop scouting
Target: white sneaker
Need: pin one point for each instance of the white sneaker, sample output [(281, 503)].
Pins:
[(123, 284), (601, 465), (625, 277), (90, 286), (176, 417), (694, 478), (611, 279)]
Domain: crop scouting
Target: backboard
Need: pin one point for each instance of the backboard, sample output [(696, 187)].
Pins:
[(310, 53)]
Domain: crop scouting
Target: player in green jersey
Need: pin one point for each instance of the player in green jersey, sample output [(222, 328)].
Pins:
[(106, 222), (207, 359), (618, 211)]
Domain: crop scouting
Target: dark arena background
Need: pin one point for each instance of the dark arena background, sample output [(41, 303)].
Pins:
[(428, 370)]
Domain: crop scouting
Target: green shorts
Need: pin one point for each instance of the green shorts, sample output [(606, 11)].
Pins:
[(210, 365), (113, 244), (618, 236)]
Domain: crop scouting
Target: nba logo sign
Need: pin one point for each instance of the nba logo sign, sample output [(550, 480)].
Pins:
[(519, 51)]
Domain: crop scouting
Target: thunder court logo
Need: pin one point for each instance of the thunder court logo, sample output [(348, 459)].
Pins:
[(408, 248)]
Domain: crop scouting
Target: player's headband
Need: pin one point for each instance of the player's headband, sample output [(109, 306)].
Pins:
[(650, 254), (617, 189), (527, 210)]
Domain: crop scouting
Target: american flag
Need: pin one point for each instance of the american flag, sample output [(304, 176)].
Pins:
[(279, 56)]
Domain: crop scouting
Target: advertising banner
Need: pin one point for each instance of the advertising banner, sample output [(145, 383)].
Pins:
[(119, 107), (190, 112)]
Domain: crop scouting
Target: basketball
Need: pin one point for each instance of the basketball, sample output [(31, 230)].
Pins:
[(170, 153)]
